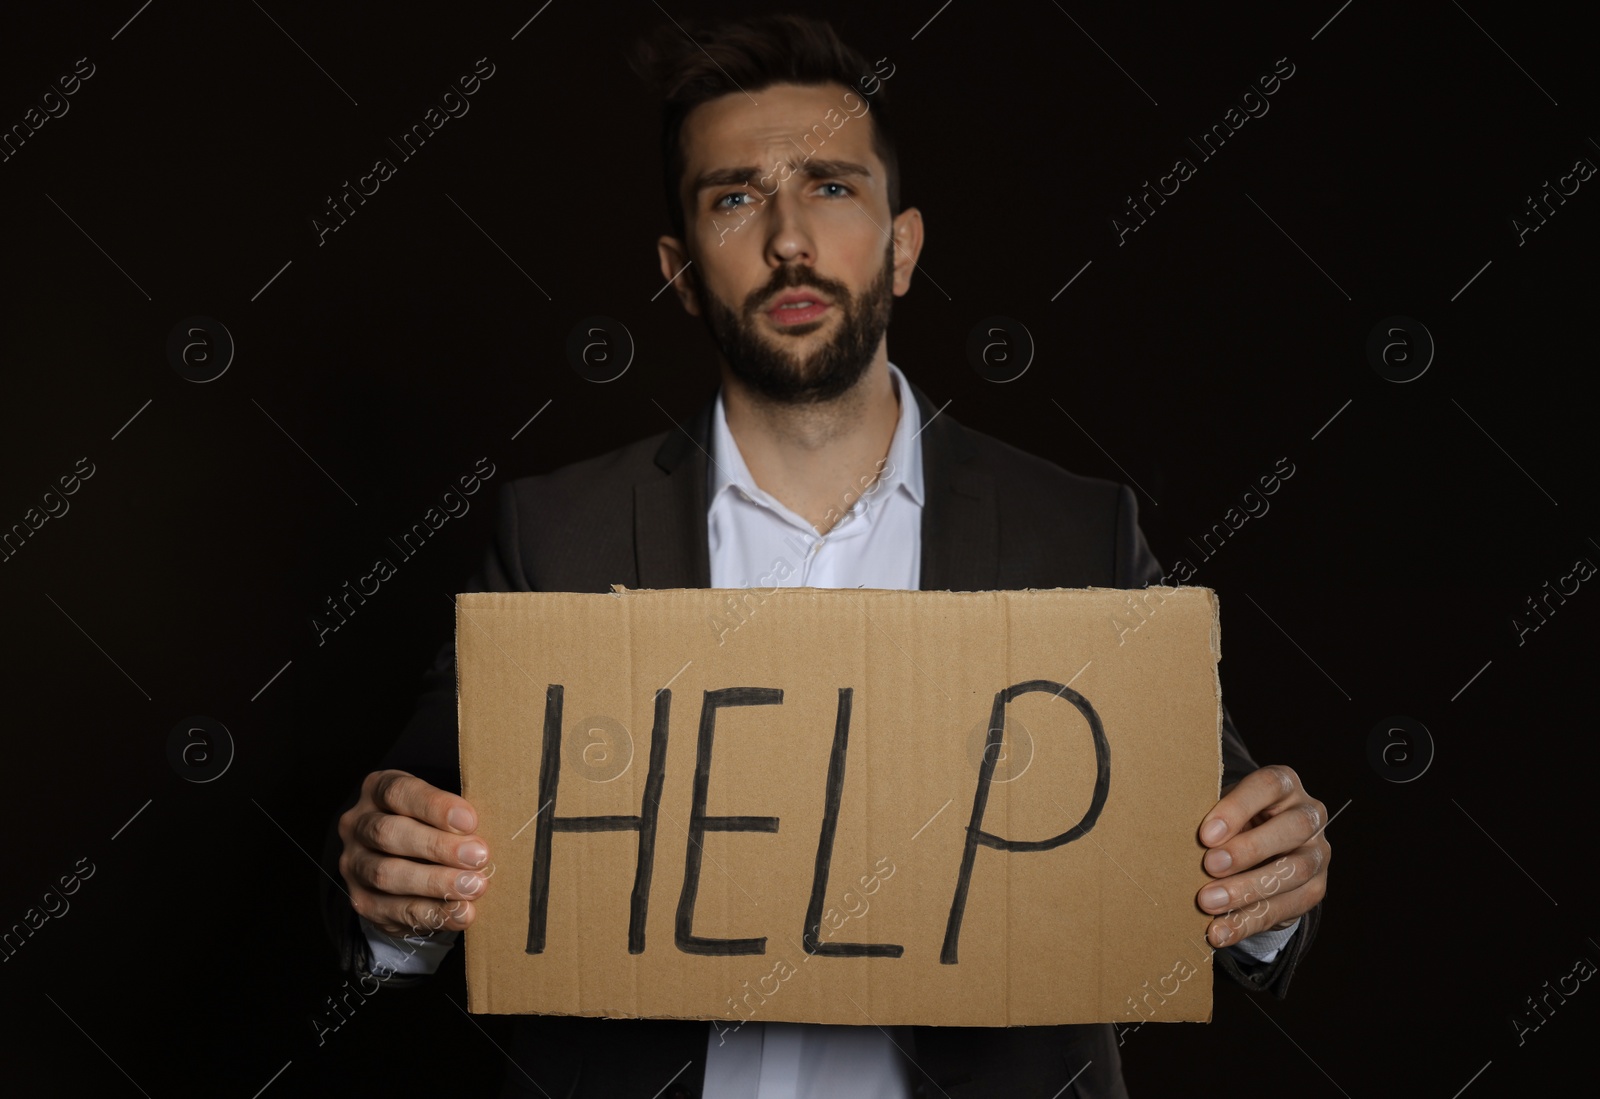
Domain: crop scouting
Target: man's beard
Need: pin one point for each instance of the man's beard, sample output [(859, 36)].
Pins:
[(780, 374)]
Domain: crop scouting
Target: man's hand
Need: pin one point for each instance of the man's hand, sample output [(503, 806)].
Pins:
[(408, 846), (1268, 853)]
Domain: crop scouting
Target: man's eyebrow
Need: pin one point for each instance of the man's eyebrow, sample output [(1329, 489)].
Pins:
[(813, 169)]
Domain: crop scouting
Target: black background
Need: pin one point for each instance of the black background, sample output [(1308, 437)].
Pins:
[(1197, 354)]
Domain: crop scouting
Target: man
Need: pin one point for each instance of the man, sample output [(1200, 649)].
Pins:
[(818, 453)]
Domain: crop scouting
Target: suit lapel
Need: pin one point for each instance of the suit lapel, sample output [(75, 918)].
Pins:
[(669, 512), (960, 524)]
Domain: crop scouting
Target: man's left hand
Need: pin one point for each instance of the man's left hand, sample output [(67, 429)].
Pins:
[(1267, 853)]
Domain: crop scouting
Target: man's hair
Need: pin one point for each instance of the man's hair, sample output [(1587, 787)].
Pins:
[(704, 61)]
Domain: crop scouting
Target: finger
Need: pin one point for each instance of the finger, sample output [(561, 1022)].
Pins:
[(1282, 875), (1257, 792), (380, 873), (393, 834), (412, 915), (408, 795), (1286, 831), (1241, 923)]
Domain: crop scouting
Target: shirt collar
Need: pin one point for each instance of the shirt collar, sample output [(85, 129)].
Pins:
[(901, 471)]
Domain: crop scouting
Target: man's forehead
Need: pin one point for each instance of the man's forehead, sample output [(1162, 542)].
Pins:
[(717, 132)]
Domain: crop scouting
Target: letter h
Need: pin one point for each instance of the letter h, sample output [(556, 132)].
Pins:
[(548, 823)]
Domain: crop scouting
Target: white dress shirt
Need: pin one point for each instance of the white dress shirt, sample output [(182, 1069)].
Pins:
[(757, 542)]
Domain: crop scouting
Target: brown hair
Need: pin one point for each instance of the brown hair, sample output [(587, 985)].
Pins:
[(703, 61)]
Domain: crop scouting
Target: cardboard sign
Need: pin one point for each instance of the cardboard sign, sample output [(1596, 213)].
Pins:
[(841, 806)]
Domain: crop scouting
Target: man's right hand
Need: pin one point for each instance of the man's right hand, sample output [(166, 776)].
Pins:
[(411, 858)]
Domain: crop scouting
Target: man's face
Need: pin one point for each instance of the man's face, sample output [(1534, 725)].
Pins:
[(765, 223)]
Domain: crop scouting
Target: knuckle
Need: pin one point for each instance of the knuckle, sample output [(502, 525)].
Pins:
[(1287, 779), (381, 875), (1312, 811), (384, 784), (384, 831), (353, 865), (364, 829), (419, 917), (375, 785), (377, 910)]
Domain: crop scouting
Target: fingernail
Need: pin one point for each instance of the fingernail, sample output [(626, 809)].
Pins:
[(468, 883), (461, 819), (473, 854), (1224, 933), (1215, 897), (1219, 860), (1214, 831)]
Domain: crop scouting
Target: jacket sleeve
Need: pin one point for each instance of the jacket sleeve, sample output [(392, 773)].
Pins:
[(427, 746), (1136, 567)]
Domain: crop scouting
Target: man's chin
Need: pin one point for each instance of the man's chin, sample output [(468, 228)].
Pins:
[(801, 388)]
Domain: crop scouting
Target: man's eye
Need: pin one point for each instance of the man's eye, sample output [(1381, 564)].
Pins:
[(723, 203)]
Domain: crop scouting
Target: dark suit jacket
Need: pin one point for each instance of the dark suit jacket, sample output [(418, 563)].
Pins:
[(995, 518)]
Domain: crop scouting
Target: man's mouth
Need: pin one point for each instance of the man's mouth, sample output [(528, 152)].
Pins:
[(797, 309)]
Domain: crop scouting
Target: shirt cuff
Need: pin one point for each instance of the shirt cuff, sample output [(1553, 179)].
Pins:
[(1263, 946), (410, 955)]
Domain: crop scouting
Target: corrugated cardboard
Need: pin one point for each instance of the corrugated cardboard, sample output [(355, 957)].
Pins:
[(853, 806)]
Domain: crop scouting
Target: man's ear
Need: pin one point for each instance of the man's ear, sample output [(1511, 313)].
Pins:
[(907, 247), (674, 259)]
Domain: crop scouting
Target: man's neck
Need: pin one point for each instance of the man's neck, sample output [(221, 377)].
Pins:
[(816, 459)]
